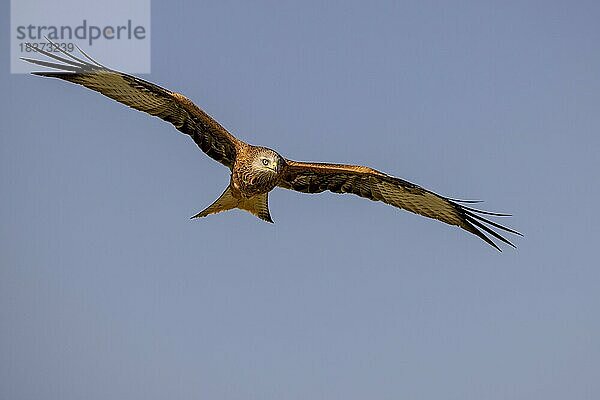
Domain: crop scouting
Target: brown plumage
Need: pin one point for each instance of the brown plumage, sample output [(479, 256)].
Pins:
[(255, 171)]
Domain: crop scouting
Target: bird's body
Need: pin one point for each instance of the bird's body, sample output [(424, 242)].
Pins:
[(255, 170)]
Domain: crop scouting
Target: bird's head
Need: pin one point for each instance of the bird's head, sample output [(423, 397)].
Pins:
[(268, 161)]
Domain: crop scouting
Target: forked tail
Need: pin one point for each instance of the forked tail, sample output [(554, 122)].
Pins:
[(257, 205)]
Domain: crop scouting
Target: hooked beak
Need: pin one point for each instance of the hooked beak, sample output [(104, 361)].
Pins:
[(274, 166)]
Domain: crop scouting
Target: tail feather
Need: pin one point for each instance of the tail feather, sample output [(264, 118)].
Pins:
[(225, 202), (257, 205)]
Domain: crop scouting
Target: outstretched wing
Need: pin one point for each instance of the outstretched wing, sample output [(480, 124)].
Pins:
[(144, 96), (374, 185)]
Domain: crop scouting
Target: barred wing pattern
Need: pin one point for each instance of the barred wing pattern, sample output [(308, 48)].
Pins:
[(144, 96), (374, 185)]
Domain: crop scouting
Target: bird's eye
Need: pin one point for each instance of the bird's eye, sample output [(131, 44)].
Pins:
[(265, 161)]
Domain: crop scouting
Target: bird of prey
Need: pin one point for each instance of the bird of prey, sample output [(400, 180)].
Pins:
[(256, 170)]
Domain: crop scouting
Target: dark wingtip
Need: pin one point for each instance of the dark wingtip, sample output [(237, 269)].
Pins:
[(465, 201), (474, 222)]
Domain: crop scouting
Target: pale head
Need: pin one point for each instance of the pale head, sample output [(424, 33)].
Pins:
[(267, 161)]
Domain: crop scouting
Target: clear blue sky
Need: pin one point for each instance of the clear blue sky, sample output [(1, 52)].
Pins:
[(109, 291)]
